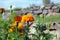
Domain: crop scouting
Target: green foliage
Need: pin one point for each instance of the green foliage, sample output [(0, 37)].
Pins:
[(41, 27), (41, 35), (47, 36), (58, 6), (55, 18)]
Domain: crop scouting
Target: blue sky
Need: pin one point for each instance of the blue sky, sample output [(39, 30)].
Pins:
[(21, 3)]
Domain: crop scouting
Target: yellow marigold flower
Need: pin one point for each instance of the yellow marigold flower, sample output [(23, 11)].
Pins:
[(23, 18), (10, 30), (20, 26)]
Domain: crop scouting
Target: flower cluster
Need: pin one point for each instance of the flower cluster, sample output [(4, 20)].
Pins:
[(21, 20)]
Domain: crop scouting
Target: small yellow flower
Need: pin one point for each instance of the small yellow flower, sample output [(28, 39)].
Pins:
[(13, 25), (10, 30), (13, 38), (41, 15)]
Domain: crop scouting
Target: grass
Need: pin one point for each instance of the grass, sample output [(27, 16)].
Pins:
[(55, 18)]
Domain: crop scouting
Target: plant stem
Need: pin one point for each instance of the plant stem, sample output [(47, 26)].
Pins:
[(26, 31), (17, 31)]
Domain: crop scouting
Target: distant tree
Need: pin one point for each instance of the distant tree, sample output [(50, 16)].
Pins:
[(7, 10), (32, 5), (17, 9), (52, 3), (26, 8), (45, 2)]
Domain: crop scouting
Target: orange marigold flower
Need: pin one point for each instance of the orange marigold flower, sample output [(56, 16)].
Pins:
[(10, 30), (27, 18), (2, 9), (17, 19), (30, 17), (20, 26)]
